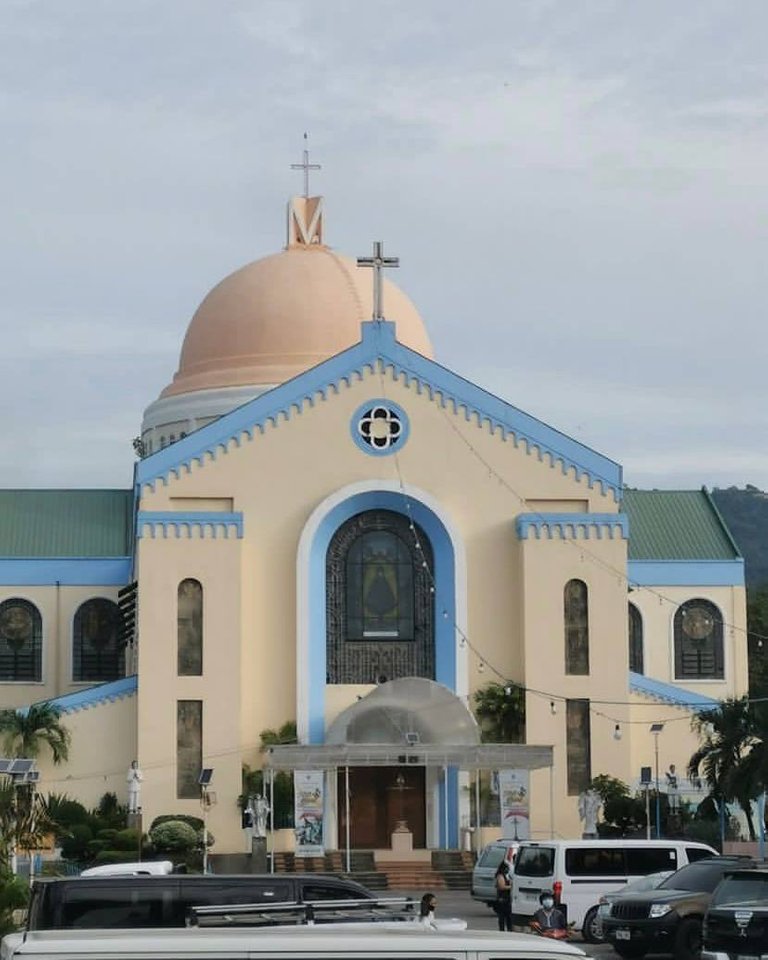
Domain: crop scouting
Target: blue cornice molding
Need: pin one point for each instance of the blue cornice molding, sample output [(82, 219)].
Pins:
[(65, 571), (378, 348), (686, 573), (94, 696), (571, 526), (178, 523), (669, 693)]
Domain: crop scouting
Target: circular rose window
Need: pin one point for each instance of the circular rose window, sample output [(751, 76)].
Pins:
[(380, 427)]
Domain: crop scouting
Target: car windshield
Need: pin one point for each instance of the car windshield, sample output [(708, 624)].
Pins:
[(700, 877), (746, 890), (645, 883)]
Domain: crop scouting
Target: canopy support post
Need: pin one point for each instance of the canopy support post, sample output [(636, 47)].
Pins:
[(346, 819)]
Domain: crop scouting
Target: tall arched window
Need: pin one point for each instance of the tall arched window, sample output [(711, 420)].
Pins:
[(21, 641), (698, 641), (576, 611), (635, 639), (380, 601), (189, 625), (97, 653)]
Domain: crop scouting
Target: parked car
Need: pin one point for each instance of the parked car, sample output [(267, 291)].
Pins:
[(668, 919), (592, 928), (165, 901), (484, 873), (736, 924)]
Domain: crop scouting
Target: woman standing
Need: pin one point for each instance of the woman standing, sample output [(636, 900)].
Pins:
[(503, 883)]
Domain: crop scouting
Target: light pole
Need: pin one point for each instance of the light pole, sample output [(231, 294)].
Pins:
[(656, 729)]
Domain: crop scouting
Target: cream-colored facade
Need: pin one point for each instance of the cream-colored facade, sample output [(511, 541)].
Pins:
[(498, 514)]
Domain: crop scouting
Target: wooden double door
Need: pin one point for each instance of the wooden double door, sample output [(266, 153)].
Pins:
[(381, 797)]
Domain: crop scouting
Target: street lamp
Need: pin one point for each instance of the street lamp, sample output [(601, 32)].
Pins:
[(656, 729)]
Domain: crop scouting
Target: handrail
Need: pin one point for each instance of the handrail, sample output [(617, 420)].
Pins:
[(309, 912)]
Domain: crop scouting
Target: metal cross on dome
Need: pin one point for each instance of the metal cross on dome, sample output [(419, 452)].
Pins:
[(306, 166), (378, 261)]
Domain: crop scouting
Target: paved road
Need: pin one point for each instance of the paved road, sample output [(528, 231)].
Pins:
[(458, 903)]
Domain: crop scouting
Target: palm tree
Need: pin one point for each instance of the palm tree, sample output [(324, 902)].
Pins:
[(500, 711), (24, 732), (728, 736)]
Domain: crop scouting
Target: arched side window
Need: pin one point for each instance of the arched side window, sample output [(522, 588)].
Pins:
[(189, 624), (379, 600), (97, 653), (635, 639), (21, 641), (698, 633), (576, 611)]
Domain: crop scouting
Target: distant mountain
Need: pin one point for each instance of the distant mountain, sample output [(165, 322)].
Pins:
[(746, 515)]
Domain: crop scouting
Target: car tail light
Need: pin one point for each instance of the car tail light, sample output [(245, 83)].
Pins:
[(557, 890)]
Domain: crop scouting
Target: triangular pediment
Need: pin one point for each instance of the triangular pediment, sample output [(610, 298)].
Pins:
[(379, 350)]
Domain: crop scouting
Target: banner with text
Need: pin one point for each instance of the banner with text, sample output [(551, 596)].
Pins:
[(308, 812), (514, 798)]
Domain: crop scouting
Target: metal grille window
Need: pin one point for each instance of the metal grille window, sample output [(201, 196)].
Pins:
[(578, 746), (21, 642), (576, 612), (97, 653), (380, 600), (698, 641), (189, 628), (189, 748), (635, 639)]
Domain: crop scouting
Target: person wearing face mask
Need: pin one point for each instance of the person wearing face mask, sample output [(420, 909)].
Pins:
[(548, 921)]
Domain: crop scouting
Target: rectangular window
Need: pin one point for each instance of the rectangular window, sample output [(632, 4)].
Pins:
[(577, 742), (189, 748), (644, 860), (535, 861), (595, 862)]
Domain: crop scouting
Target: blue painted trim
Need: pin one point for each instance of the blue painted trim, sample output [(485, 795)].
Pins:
[(93, 696), (686, 573), (405, 428), (444, 573), (176, 520), (66, 571), (668, 693), (379, 346), (571, 525)]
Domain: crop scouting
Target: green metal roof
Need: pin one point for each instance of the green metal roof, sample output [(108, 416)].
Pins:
[(676, 525), (66, 523)]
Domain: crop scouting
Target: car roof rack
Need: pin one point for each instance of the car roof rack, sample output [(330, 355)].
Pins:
[(310, 912)]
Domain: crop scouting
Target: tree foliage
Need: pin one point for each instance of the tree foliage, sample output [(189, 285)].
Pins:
[(25, 733), (500, 713)]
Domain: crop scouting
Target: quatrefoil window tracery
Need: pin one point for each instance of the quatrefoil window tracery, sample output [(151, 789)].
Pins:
[(380, 427)]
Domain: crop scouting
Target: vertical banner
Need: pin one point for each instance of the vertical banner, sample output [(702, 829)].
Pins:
[(308, 812), (514, 798)]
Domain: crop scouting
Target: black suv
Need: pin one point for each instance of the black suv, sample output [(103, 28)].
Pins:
[(165, 901), (669, 918), (736, 923)]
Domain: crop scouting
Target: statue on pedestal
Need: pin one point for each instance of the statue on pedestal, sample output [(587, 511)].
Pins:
[(261, 810), (134, 779), (589, 805)]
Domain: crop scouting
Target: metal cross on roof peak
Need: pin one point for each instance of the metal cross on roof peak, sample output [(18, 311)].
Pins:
[(306, 166), (378, 261)]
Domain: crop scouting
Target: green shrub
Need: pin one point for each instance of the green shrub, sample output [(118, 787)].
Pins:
[(195, 822), (74, 845), (173, 836)]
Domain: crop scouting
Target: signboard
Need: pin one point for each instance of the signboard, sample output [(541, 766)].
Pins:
[(308, 812), (514, 799)]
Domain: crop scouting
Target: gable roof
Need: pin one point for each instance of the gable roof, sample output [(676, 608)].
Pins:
[(66, 523), (670, 693), (676, 525), (379, 346), (94, 696)]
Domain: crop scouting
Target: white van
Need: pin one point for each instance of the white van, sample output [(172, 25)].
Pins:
[(293, 943), (579, 872)]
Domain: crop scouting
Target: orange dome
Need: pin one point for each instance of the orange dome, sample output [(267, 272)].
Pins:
[(278, 316)]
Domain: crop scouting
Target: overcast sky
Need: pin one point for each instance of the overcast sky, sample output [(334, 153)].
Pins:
[(577, 190)]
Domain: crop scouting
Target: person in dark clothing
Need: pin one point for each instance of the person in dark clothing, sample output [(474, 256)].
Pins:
[(503, 883), (548, 921)]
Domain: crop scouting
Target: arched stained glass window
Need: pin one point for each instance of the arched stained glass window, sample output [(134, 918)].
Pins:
[(380, 601), (576, 612), (635, 639), (698, 641), (189, 620), (21, 641), (97, 653)]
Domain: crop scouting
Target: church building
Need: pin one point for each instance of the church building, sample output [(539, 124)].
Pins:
[(327, 526)]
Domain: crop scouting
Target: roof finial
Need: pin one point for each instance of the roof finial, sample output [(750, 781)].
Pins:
[(377, 261), (306, 166)]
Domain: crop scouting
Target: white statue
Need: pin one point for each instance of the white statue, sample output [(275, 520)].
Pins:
[(249, 819), (134, 779), (261, 811), (673, 797), (589, 805)]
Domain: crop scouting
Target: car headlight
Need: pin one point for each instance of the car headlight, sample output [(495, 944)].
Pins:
[(659, 910)]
